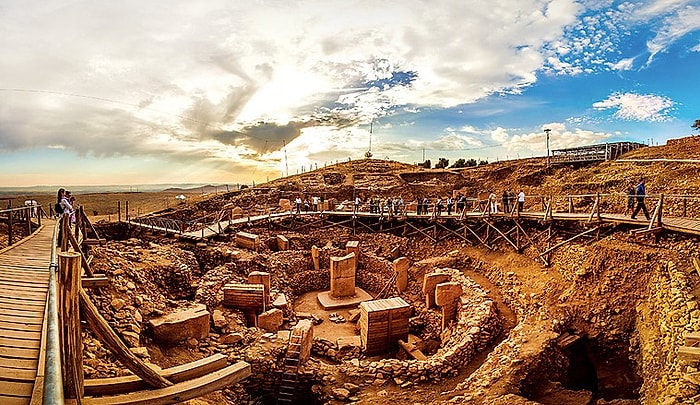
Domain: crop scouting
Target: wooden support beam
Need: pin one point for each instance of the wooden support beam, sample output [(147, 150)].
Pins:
[(569, 240), (76, 247), (478, 238), (98, 281), (107, 336), (595, 208), (182, 391), (644, 231), (130, 383), (412, 351), (422, 232), (502, 235), (689, 354), (692, 339), (656, 217)]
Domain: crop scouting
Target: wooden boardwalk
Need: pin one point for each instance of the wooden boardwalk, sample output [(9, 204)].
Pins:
[(24, 279)]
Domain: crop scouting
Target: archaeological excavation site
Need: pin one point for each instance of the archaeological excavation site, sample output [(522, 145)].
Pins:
[(359, 283)]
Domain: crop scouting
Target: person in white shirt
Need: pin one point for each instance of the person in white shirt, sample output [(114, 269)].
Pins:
[(493, 202), (357, 203), (315, 203), (521, 200), (297, 201)]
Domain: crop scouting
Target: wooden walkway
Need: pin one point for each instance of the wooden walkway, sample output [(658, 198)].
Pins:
[(673, 224), (24, 280)]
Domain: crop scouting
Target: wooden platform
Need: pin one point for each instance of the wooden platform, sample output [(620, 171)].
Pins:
[(24, 278)]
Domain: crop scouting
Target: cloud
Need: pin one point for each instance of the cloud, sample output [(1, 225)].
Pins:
[(637, 107)]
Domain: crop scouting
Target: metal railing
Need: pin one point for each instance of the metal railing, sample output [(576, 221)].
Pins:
[(53, 380)]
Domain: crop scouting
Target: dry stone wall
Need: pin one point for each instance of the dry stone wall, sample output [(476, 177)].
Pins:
[(670, 313)]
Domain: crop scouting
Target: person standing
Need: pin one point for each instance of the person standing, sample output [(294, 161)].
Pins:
[(506, 205), (438, 207), (450, 204), (461, 203), (641, 193), (315, 203), (297, 202), (630, 199), (493, 203), (357, 203), (521, 201)]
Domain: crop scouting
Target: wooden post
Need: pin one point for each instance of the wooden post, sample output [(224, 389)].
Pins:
[(661, 209), (685, 205), (119, 211), (71, 338), (9, 228), (571, 205), (126, 212), (29, 220)]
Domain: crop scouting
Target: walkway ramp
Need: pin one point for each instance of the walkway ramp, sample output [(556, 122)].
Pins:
[(24, 282)]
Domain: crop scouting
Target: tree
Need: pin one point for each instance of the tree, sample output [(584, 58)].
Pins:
[(427, 164), (696, 125), (442, 163), (459, 163)]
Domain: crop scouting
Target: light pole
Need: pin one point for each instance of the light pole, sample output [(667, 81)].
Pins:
[(547, 131)]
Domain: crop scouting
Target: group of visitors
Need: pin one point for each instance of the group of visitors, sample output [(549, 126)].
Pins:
[(315, 205), (65, 203), (391, 206), (508, 201)]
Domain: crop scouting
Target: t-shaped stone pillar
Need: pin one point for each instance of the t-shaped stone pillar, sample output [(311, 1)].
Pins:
[(429, 282), (401, 266), (447, 297), (343, 276)]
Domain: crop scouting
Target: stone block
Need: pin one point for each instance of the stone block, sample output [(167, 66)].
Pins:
[(181, 325), (237, 212), (305, 329), (247, 240), (342, 287), (447, 296), (429, 282), (345, 342), (343, 266), (447, 293), (261, 277), (353, 246), (282, 242), (285, 204), (343, 276), (280, 302), (315, 257), (271, 320), (401, 266)]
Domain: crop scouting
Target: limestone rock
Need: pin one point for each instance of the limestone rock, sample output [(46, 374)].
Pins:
[(182, 325)]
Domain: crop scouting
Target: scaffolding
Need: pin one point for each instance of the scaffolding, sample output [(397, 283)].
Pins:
[(593, 153)]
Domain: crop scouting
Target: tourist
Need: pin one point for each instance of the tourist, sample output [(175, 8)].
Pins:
[(297, 202), (438, 207), (398, 206), (64, 204), (641, 193), (307, 205), (357, 204), (505, 199), (630, 198), (71, 201), (426, 203), (461, 203), (493, 203), (521, 200), (450, 204), (314, 200)]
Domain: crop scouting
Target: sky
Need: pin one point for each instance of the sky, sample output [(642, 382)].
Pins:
[(209, 91)]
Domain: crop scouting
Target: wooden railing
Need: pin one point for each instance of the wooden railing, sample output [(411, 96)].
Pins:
[(21, 221)]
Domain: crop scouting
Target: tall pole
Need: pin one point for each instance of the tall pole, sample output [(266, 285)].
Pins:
[(547, 131), (286, 165)]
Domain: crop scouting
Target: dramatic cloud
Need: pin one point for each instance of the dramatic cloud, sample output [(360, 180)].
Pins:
[(638, 107)]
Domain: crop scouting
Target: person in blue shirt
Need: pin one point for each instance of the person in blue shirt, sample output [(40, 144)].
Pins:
[(641, 193)]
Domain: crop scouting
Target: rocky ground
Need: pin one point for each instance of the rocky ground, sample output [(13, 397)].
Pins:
[(599, 291)]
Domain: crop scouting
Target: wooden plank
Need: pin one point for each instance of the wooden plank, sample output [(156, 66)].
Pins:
[(27, 364), (16, 374), (19, 389), (181, 391), (20, 334), (119, 385), (21, 343), (692, 339), (95, 282), (19, 353), (20, 326), (690, 354), (13, 400)]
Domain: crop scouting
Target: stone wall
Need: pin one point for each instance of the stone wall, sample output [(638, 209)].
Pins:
[(476, 326), (663, 321)]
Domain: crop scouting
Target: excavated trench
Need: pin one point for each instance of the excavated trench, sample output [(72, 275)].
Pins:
[(590, 367)]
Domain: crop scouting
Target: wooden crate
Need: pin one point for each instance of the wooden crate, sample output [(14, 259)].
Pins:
[(382, 324), (246, 297)]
